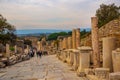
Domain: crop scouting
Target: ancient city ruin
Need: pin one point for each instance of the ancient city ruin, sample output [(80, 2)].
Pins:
[(59, 40)]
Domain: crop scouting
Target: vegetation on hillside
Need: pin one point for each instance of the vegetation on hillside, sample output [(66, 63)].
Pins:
[(6, 31), (54, 36), (107, 13), (84, 33), (28, 42)]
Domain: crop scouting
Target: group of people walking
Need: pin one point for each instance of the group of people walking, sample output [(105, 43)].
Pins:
[(38, 53)]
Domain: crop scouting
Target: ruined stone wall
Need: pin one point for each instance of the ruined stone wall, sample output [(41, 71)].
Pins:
[(110, 29)]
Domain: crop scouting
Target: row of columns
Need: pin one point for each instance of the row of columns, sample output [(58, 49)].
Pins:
[(15, 50), (79, 57), (71, 42)]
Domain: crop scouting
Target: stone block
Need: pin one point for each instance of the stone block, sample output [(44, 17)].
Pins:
[(2, 65), (90, 71), (109, 44), (76, 59), (102, 73), (92, 77), (114, 76), (84, 58), (116, 60)]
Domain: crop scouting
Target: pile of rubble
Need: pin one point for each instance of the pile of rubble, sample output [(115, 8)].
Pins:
[(6, 61)]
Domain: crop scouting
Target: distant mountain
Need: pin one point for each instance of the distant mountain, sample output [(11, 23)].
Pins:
[(37, 32), (33, 31)]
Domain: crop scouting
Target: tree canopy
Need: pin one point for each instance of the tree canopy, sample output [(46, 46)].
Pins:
[(6, 31), (54, 36), (107, 13)]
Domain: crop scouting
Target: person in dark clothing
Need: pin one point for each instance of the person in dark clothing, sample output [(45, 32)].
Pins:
[(39, 54)]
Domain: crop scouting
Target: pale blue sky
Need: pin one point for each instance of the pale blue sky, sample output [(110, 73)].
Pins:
[(50, 14)]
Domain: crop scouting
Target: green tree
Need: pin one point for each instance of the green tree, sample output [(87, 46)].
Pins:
[(54, 36), (28, 42), (6, 31), (107, 13)]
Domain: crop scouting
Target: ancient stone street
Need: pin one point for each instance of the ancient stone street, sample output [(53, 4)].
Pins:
[(46, 68)]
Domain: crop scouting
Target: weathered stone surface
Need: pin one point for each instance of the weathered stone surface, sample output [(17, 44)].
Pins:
[(77, 37), (69, 42), (90, 71), (84, 58), (114, 76), (116, 60), (71, 57), (1, 55), (102, 73), (12, 60), (76, 59), (2, 65), (46, 68), (111, 29), (74, 39), (92, 77), (7, 50), (95, 42), (109, 44)]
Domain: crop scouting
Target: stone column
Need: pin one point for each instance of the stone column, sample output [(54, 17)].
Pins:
[(69, 42), (15, 49), (60, 44), (65, 43), (116, 60), (71, 58), (109, 44), (38, 48), (7, 50), (73, 39), (76, 59), (28, 48), (84, 60), (95, 42), (77, 37)]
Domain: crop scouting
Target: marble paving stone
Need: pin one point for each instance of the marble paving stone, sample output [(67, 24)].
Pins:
[(46, 68)]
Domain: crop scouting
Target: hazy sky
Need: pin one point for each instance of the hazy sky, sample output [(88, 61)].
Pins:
[(50, 14)]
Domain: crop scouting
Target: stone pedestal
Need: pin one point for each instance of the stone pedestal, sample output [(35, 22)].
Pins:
[(95, 42), (64, 55), (77, 37), (114, 76), (7, 50), (84, 59), (109, 44), (102, 73), (76, 59), (116, 60), (68, 56), (74, 39), (71, 58)]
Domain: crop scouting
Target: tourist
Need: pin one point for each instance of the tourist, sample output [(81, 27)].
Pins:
[(39, 54)]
